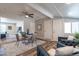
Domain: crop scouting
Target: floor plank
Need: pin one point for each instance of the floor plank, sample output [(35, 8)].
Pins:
[(32, 52)]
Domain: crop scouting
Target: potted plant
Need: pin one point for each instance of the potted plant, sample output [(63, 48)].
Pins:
[(76, 35)]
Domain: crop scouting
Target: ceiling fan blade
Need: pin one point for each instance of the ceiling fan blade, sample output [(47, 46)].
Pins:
[(26, 13), (31, 16)]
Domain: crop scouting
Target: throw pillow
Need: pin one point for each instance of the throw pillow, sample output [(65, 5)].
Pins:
[(52, 52), (70, 37)]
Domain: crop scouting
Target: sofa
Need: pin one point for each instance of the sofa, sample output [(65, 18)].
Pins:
[(64, 41), (42, 52), (60, 45)]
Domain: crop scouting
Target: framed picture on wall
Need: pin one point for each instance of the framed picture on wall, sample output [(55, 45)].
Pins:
[(9, 27), (39, 27)]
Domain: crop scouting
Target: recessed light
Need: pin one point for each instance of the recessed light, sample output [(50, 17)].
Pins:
[(67, 3), (70, 13)]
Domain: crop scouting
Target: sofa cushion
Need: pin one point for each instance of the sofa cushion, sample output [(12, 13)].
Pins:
[(70, 37), (64, 51)]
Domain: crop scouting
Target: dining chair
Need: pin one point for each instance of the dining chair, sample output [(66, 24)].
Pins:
[(17, 40), (34, 40)]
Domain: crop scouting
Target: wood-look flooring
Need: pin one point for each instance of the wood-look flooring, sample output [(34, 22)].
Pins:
[(33, 52)]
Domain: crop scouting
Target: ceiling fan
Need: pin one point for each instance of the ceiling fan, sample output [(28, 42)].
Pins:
[(26, 14)]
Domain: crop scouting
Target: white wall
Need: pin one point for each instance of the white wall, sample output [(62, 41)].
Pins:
[(19, 23), (32, 27), (53, 28), (48, 29), (26, 25), (16, 21), (58, 26), (29, 24)]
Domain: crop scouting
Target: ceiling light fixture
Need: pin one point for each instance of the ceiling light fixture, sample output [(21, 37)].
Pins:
[(26, 16)]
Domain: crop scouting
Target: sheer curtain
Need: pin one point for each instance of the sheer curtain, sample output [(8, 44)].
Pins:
[(75, 27), (67, 27), (71, 27)]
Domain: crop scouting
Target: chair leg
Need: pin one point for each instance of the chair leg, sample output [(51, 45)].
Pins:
[(36, 42), (17, 43), (32, 42)]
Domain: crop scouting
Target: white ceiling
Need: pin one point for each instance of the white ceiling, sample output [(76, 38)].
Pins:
[(58, 9), (14, 10), (40, 10)]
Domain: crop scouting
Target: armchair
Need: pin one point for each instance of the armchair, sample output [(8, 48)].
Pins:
[(41, 51)]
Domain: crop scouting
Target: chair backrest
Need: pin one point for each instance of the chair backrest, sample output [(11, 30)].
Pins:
[(59, 44), (33, 37), (17, 37)]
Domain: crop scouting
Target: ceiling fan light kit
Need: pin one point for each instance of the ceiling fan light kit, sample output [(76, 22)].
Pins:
[(26, 16)]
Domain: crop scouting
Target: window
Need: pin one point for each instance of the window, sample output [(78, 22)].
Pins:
[(71, 27), (75, 27), (67, 27)]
